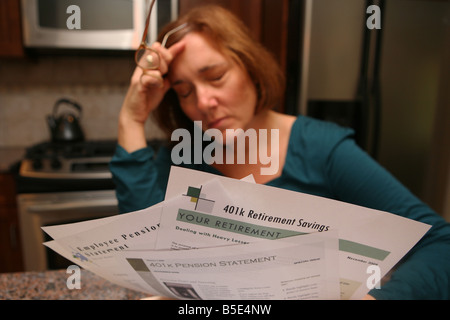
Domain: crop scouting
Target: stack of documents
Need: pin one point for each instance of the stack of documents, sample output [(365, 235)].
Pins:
[(215, 237)]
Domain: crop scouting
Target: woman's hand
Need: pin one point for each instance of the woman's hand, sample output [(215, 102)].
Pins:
[(146, 91)]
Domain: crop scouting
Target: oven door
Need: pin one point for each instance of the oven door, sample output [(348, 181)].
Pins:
[(39, 210)]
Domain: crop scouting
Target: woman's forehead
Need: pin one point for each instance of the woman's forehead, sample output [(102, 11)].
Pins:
[(199, 53), (197, 41)]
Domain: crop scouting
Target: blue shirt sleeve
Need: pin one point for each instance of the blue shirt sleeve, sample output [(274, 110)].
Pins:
[(140, 177)]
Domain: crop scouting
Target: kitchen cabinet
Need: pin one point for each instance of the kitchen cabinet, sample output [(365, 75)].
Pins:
[(10, 29), (10, 245)]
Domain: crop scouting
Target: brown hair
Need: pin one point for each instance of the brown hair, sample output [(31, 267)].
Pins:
[(233, 39)]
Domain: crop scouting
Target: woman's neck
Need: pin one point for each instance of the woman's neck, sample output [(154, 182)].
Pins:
[(260, 150)]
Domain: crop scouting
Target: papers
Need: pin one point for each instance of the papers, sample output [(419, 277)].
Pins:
[(219, 238), (301, 268), (95, 244)]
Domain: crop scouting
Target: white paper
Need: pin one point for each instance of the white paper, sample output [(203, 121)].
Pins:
[(331, 244), (241, 212), (94, 247), (302, 267)]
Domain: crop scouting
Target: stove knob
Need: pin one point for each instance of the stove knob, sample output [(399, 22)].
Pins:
[(37, 164), (55, 163)]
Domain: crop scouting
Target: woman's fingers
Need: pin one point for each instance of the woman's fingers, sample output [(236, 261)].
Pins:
[(152, 79), (167, 55), (150, 86), (170, 53)]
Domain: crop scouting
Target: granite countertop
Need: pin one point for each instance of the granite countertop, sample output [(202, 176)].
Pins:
[(51, 285)]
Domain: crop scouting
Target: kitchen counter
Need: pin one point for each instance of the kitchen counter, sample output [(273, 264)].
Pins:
[(51, 285)]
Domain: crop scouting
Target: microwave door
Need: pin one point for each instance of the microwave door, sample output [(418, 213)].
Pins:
[(84, 24)]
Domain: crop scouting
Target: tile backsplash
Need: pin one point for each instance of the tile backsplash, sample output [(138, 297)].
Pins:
[(29, 89)]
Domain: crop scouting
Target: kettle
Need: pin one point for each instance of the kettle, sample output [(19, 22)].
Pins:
[(65, 127)]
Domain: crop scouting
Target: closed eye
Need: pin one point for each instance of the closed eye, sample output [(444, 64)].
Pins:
[(217, 77), (215, 72), (212, 73), (183, 89)]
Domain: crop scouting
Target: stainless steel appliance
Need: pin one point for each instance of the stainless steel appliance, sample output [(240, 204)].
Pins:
[(60, 183), (390, 84), (102, 24)]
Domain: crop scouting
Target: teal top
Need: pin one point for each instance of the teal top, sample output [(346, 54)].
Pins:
[(324, 160)]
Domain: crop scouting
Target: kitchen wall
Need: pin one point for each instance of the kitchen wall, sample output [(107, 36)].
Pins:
[(30, 87)]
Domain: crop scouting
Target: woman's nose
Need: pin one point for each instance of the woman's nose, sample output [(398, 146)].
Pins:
[(206, 99)]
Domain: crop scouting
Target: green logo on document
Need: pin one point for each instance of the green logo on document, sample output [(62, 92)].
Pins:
[(201, 202)]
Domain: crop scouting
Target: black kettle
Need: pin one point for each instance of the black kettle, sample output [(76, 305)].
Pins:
[(66, 126)]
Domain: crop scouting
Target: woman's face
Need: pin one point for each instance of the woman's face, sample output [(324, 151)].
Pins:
[(211, 87)]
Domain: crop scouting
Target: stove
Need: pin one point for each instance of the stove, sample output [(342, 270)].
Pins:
[(61, 183), (66, 166)]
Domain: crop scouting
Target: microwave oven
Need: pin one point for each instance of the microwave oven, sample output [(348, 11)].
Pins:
[(92, 24)]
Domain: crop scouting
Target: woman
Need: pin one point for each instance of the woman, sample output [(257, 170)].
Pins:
[(212, 71)]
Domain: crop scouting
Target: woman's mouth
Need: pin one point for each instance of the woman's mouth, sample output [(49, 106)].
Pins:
[(217, 123)]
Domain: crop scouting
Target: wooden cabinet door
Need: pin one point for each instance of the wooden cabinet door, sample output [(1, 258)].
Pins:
[(10, 244), (10, 29)]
